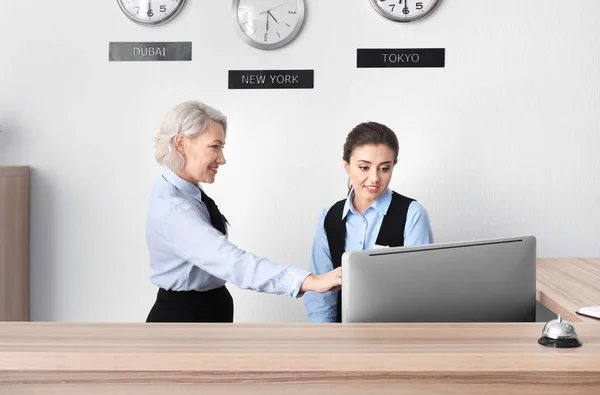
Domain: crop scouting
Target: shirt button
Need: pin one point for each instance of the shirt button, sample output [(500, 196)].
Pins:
[(361, 242)]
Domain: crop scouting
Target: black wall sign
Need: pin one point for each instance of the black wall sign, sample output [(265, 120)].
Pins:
[(149, 51), (271, 79), (418, 57)]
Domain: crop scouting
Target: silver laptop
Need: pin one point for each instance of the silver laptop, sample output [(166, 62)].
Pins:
[(489, 280)]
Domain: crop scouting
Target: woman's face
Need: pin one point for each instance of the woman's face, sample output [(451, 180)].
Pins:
[(370, 170), (202, 154)]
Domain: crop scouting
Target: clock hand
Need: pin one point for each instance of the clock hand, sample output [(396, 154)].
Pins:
[(269, 13), (267, 22), (405, 9)]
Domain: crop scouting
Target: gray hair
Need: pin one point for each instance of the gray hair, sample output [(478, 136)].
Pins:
[(189, 118)]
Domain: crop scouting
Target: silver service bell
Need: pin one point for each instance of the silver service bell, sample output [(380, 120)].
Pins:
[(559, 333)]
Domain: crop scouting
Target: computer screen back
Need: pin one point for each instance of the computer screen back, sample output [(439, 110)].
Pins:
[(489, 280)]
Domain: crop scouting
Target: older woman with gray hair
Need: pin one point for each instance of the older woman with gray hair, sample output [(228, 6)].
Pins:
[(190, 255)]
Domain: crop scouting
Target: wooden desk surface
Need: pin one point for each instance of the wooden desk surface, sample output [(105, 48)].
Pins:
[(174, 359), (564, 285), (61, 358)]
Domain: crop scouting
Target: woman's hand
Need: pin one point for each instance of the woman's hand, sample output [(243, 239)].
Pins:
[(323, 282)]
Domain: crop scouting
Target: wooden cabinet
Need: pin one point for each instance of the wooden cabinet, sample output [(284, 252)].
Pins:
[(14, 243)]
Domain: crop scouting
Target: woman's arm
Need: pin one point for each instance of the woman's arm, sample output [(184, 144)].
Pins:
[(198, 242), (417, 230), (321, 307)]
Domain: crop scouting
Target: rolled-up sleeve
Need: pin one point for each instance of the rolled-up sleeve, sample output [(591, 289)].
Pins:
[(196, 241), (321, 307)]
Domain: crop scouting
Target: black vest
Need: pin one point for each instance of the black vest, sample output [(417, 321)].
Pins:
[(391, 233)]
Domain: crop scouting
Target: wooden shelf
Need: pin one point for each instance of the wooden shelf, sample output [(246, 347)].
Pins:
[(14, 243)]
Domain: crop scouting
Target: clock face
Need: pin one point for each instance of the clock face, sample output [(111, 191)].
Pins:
[(150, 12), (404, 10), (268, 24)]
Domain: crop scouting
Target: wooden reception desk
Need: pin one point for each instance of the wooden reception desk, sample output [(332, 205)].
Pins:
[(566, 284), (274, 359)]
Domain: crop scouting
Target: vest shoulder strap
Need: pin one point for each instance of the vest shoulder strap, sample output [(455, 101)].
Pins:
[(391, 233), (335, 230)]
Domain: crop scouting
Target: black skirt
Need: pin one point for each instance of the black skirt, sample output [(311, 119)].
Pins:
[(215, 305)]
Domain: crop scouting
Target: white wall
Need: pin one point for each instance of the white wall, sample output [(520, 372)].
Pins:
[(502, 141)]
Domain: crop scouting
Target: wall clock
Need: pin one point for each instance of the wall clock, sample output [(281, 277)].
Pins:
[(268, 24), (150, 12), (404, 10)]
